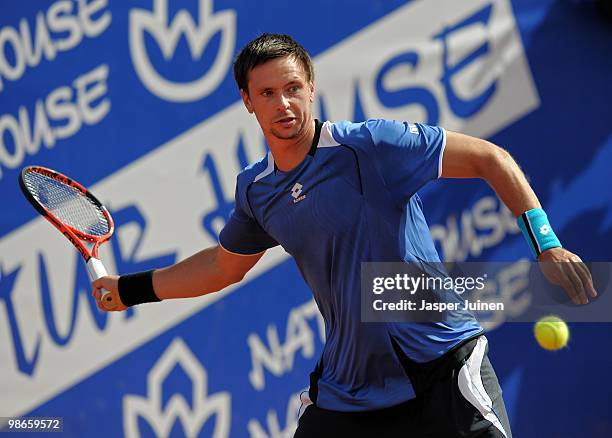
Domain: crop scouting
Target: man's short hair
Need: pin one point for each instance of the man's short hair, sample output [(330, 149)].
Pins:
[(264, 48)]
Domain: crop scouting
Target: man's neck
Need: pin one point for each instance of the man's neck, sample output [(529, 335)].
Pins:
[(290, 153)]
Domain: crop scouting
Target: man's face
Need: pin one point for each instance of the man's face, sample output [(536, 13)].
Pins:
[(281, 97)]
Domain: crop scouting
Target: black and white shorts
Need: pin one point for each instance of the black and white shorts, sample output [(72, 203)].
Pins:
[(458, 395)]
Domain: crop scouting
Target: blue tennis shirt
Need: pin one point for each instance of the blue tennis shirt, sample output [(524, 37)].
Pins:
[(351, 200)]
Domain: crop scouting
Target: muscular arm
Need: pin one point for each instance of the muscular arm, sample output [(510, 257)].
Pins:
[(469, 157), (209, 270)]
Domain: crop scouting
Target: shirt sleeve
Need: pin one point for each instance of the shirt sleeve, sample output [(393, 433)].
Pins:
[(409, 154), (242, 234)]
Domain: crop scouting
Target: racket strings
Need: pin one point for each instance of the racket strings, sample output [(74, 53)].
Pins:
[(67, 204)]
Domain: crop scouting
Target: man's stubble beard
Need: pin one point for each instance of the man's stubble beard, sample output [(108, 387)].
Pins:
[(296, 134)]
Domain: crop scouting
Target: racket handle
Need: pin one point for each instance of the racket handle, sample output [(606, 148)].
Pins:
[(96, 270), (107, 300)]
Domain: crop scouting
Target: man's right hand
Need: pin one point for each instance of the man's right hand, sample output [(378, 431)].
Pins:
[(111, 284)]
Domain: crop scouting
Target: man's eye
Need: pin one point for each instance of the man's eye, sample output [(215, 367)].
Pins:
[(267, 93), (294, 89)]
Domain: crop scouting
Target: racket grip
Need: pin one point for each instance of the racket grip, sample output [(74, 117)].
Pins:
[(96, 269)]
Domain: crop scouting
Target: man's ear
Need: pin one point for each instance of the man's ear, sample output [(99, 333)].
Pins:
[(246, 100), (312, 91)]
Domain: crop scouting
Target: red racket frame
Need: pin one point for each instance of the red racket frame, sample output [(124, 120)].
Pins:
[(75, 236)]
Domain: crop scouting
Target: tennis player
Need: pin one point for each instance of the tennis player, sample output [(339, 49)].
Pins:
[(334, 195)]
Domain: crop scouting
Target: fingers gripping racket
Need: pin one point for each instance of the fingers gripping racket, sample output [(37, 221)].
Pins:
[(75, 212)]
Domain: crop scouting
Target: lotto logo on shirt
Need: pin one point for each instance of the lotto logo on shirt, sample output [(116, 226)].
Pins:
[(296, 191)]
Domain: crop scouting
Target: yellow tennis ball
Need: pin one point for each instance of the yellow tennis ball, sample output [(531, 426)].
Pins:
[(551, 332)]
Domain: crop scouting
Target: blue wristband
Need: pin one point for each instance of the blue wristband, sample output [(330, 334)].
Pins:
[(537, 231)]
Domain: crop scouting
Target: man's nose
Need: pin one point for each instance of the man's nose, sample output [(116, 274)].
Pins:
[(283, 102)]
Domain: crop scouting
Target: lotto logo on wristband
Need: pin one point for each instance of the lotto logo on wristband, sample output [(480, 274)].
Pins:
[(537, 231)]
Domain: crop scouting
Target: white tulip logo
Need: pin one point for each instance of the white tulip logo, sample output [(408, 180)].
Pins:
[(205, 406), (167, 36)]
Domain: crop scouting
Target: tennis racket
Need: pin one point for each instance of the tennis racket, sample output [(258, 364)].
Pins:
[(75, 212)]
